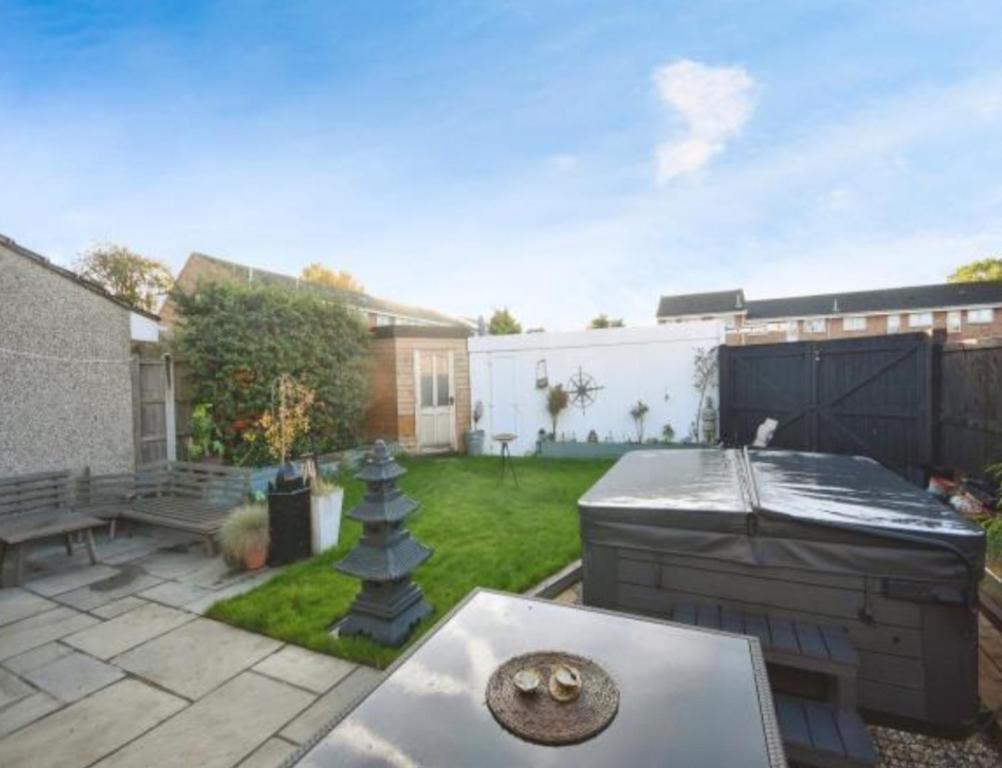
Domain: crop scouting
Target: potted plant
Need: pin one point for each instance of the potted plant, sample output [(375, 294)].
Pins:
[(204, 444), (556, 401), (639, 414), (244, 537), (325, 513), (475, 437)]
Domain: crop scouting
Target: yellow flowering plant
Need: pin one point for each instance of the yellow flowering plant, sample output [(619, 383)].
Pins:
[(289, 416)]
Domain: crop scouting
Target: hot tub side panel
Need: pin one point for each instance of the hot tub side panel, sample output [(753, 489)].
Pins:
[(904, 607)]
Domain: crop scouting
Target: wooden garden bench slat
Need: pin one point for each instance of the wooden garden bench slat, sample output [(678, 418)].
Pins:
[(183, 496), (37, 506)]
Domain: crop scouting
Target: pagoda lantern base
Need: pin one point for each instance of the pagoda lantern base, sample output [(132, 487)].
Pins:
[(386, 612)]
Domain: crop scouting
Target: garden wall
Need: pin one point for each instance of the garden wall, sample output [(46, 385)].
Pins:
[(654, 364), (65, 381)]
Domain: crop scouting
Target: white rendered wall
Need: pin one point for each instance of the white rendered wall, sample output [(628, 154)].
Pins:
[(629, 364)]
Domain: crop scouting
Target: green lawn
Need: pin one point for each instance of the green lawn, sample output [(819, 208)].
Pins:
[(483, 534)]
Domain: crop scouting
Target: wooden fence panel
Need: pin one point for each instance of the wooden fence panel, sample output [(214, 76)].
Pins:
[(970, 406)]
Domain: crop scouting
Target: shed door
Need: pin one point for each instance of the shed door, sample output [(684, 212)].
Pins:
[(436, 399)]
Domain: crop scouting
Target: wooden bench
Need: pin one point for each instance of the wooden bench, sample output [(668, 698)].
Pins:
[(38, 506), (184, 496)]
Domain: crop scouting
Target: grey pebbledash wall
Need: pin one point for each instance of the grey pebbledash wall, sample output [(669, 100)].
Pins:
[(59, 407)]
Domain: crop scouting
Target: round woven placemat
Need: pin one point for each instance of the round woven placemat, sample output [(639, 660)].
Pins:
[(539, 718)]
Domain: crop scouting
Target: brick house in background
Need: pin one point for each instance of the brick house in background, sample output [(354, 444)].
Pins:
[(377, 312), (962, 311)]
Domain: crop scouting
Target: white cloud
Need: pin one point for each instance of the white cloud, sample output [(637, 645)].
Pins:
[(714, 102)]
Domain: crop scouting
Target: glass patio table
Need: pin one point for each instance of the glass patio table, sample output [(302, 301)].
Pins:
[(687, 696)]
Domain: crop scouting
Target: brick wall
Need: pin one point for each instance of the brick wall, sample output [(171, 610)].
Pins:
[(876, 325)]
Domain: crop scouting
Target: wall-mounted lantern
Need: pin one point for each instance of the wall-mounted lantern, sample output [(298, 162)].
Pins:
[(542, 380)]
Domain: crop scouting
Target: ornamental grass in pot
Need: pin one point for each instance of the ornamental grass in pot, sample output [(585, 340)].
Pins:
[(244, 537)]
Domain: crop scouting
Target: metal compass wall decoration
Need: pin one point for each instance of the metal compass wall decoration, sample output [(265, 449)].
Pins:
[(582, 389)]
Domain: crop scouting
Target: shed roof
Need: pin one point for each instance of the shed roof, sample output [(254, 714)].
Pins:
[(14, 247)]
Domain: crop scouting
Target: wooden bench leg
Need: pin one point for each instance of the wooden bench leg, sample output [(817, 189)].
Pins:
[(3, 556), (111, 529), (18, 564), (210, 546), (69, 545), (89, 540)]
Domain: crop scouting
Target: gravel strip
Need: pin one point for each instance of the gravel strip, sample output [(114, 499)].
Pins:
[(900, 749)]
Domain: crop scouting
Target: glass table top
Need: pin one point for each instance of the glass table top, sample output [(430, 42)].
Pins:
[(688, 697)]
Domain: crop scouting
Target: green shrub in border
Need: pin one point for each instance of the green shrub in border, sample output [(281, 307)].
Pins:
[(238, 339)]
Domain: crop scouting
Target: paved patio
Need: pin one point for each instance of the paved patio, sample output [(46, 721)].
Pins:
[(114, 665)]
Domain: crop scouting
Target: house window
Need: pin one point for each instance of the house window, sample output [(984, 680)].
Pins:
[(815, 325), (953, 322), (980, 316), (857, 323), (893, 323), (792, 330), (920, 319)]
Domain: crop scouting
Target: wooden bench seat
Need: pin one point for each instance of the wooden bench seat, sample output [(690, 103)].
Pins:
[(179, 495), (35, 507)]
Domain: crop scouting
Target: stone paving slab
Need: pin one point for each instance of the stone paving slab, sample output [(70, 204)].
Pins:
[(92, 728), (172, 565), (197, 657), (36, 657), (12, 689), (47, 586), (128, 630), (218, 731), (43, 628), (17, 604), (118, 607), (315, 672), (175, 594), (332, 704), (269, 754), (125, 583), (214, 574), (25, 711), (73, 676)]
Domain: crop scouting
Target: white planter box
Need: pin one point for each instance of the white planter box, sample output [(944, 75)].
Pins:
[(325, 519)]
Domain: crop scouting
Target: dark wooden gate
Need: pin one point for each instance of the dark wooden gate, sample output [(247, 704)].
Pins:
[(867, 396)]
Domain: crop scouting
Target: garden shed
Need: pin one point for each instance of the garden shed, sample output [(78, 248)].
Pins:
[(68, 366), (420, 393)]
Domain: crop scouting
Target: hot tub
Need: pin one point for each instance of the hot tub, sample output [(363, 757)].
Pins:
[(836, 540)]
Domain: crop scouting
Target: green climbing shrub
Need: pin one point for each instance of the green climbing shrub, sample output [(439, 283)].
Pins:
[(237, 340)]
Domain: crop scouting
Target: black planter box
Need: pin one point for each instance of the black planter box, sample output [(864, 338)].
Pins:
[(288, 520)]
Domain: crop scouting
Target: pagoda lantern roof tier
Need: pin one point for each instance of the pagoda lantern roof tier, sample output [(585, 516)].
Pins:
[(376, 508), (384, 563), (381, 467)]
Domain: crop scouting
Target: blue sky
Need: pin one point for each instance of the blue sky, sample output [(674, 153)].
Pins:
[(560, 158)]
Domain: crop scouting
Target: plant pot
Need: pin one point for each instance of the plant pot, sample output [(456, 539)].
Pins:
[(474, 439), (255, 557), (325, 519)]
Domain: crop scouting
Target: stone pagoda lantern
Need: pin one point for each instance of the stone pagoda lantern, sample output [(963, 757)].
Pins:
[(389, 603)]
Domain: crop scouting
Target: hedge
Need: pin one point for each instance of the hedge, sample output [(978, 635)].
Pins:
[(238, 339)]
